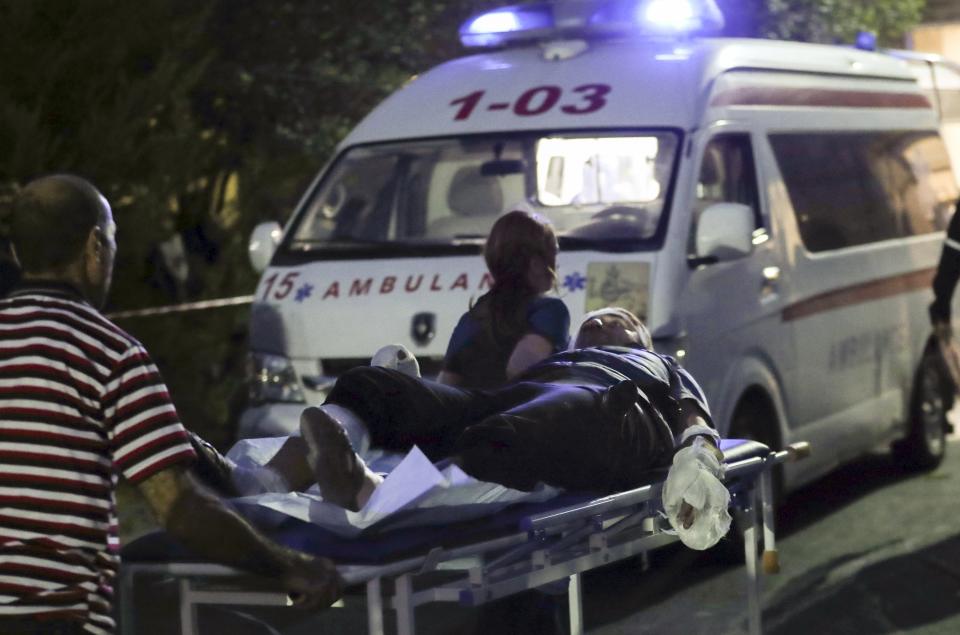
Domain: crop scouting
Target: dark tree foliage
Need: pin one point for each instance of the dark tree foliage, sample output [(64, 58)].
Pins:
[(822, 21), (96, 88)]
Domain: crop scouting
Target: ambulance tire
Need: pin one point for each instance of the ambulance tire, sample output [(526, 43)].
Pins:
[(926, 442), (754, 419)]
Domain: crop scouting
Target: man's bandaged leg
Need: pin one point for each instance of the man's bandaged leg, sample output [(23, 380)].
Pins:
[(694, 478)]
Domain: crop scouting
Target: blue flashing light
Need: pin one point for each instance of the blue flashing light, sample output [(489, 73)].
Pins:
[(866, 40), (586, 18), (501, 25), (670, 15), (496, 22)]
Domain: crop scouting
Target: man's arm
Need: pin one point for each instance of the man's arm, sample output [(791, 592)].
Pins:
[(531, 348), (945, 280), (205, 524), (692, 419)]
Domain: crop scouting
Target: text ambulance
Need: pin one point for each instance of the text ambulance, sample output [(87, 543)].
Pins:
[(772, 209)]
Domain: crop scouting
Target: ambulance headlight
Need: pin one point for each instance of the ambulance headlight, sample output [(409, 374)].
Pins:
[(271, 378)]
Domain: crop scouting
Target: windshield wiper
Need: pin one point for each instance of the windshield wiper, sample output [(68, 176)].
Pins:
[(610, 243)]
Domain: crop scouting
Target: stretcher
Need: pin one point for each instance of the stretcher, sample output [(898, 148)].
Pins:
[(521, 548)]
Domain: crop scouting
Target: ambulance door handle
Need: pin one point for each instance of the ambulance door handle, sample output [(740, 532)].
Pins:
[(771, 280)]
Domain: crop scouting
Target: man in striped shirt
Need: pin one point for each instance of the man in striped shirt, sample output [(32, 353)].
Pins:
[(81, 404)]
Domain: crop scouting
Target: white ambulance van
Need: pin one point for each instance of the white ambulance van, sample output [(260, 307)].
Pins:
[(773, 210)]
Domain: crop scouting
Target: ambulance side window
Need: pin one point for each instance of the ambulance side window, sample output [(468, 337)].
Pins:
[(948, 90), (727, 175), (855, 188)]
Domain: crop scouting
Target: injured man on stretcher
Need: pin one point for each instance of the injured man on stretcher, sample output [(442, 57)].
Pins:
[(595, 418)]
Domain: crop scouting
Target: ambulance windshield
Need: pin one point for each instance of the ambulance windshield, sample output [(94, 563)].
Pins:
[(594, 189)]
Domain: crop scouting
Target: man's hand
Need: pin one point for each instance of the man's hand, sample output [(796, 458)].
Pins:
[(686, 515), (207, 526), (695, 501), (313, 583)]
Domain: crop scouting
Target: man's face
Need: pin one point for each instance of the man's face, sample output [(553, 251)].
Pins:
[(606, 330), (101, 253)]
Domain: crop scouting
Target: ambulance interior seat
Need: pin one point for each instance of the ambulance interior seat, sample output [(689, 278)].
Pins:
[(710, 186), (709, 189), (474, 201)]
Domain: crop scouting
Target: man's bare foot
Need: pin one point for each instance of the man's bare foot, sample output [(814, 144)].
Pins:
[(341, 474)]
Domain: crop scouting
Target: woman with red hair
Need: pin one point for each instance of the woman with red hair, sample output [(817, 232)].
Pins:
[(514, 325)]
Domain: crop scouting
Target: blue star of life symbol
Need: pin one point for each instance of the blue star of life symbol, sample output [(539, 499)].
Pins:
[(574, 281), (303, 292)]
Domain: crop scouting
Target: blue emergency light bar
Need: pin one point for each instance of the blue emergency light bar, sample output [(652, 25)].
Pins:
[(590, 18)]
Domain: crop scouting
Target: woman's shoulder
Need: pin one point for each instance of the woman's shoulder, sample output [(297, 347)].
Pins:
[(549, 317), (547, 305)]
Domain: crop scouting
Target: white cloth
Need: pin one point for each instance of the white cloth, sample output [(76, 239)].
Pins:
[(695, 477), (439, 496), (257, 479)]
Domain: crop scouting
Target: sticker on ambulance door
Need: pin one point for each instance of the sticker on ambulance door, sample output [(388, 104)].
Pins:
[(623, 284)]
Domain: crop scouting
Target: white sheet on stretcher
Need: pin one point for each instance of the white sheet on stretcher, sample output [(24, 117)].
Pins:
[(414, 493)]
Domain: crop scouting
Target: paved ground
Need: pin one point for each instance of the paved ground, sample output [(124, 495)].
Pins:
[(869, 550)]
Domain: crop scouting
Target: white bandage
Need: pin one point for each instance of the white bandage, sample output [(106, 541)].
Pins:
[(699, 430), (694, 478), (397, 357)]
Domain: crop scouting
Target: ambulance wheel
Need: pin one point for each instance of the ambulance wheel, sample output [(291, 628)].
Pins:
[(926, 442), (754, 419)]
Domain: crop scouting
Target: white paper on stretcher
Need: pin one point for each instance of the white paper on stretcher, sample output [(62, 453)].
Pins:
[(414, 493)]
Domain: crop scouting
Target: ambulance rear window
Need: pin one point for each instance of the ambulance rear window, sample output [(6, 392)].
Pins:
[(596, 187)]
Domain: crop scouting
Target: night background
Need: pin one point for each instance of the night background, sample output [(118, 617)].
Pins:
[(199, 119)]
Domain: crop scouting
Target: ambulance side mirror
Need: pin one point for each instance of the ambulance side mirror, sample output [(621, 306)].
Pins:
[(724, 232), (263, 242)]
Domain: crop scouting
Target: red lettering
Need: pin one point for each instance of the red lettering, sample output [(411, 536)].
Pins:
[(486, 282), (333, 291), (387, 285), (594, 96), (435, 286), (361, 287), (469, 103), (410, 289), (460, 282), (551, 95)]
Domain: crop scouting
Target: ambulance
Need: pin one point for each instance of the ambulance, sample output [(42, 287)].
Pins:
[(773, 210)]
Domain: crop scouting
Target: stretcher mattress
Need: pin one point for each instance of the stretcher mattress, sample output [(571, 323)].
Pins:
[(405, 535)]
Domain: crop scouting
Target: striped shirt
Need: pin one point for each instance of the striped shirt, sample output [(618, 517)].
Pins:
[(81, 403)]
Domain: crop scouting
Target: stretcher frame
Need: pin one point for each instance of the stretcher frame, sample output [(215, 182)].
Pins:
[(546, 548)]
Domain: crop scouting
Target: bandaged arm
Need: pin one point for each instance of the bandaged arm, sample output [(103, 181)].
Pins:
[(694, 498), (693, 424)]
